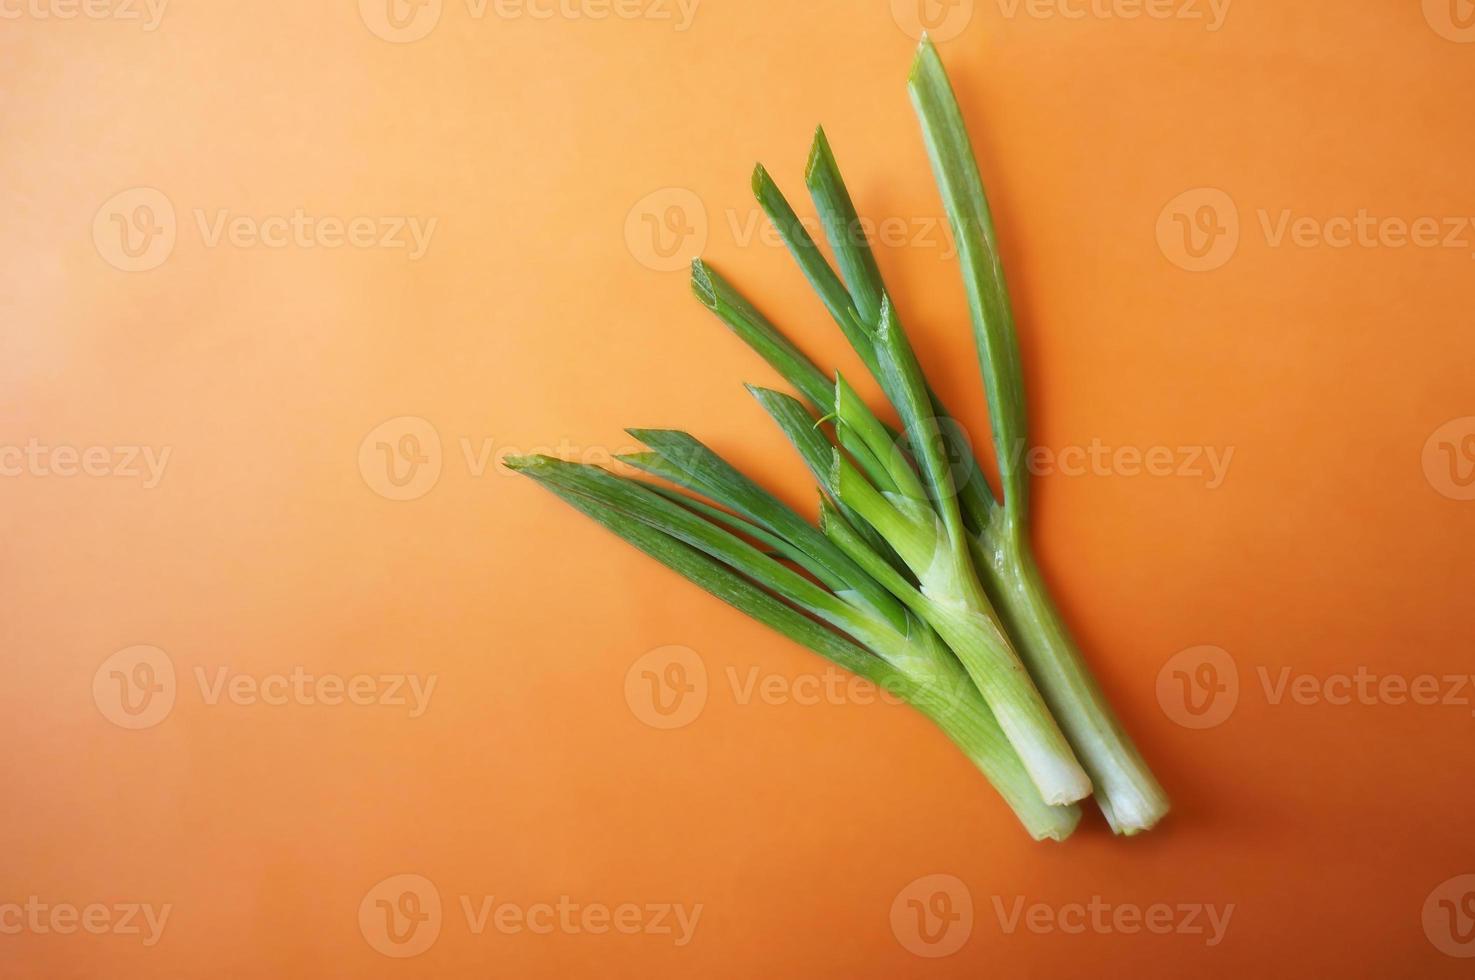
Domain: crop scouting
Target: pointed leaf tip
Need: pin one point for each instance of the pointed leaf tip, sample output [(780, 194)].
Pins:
[(886, 326), (701, 284), (819, 149), (926, 53), (760, 178)]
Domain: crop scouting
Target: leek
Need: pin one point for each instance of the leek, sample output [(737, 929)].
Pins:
[(918, 576), (994, 533)]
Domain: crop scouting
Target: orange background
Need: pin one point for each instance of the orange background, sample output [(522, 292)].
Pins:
[(532, 321)]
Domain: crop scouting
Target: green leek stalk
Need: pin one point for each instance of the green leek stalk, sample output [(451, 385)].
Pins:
[(1126, 790)]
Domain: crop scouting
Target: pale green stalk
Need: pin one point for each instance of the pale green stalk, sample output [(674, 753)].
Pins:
[(950, 599), (1126, 790)]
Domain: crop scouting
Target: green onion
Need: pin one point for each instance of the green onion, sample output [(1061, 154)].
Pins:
[(918, 577), (1126, 790), (995, 535)]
